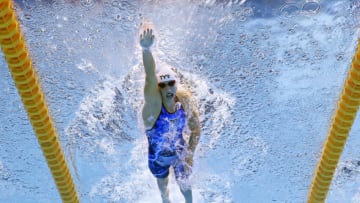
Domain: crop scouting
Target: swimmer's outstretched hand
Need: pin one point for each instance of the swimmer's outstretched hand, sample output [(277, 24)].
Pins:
[(147, 39)]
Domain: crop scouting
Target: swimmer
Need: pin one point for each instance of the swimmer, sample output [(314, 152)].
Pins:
[(168, 114)]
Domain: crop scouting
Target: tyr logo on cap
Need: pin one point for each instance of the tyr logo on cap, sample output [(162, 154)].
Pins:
[(163, 77)]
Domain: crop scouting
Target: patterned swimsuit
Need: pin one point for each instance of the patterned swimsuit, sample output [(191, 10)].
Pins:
[(166, 143)]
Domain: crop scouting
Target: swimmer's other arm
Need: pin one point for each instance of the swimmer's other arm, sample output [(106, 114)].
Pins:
[(194, 125), (193, 121)]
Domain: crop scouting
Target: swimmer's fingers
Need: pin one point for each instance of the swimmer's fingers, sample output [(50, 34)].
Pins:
[(149, 34), (152, 37), (142, 36)]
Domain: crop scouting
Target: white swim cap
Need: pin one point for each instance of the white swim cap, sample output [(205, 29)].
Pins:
[(165, 74)]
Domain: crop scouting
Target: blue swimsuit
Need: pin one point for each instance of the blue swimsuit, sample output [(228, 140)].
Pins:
[(166, 143)]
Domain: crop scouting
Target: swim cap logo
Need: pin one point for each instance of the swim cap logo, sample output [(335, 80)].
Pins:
[(163, 77)]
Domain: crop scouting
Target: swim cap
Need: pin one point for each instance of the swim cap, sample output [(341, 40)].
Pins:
[(165, 74)]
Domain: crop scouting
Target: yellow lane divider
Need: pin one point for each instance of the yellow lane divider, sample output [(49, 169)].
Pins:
[(21, 68), (339, 131)]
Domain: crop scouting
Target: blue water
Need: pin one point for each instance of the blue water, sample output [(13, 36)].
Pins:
[(266, 76)]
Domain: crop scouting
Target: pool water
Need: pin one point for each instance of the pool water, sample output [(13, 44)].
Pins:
[(266, 76)]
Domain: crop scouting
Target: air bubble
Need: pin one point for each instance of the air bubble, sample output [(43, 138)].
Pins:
[(242, 18), (289, 10), (87, 3), (248, 11), (340, 56), (28, 17), (311, 8), (117, 17), (115, 4), (70, 85)]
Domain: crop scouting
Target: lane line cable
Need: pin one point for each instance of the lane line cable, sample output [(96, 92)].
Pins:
[(342, 122), (25, 78)]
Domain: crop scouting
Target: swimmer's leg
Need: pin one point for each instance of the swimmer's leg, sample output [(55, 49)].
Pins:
[(162, 184), (182, 173), (161, 172), (187, 194)]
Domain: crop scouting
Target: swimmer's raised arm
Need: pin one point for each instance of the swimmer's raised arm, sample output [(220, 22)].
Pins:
[(152, 105)]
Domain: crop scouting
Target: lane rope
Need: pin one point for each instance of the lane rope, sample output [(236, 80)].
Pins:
[(24, 75), (343, 119)]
